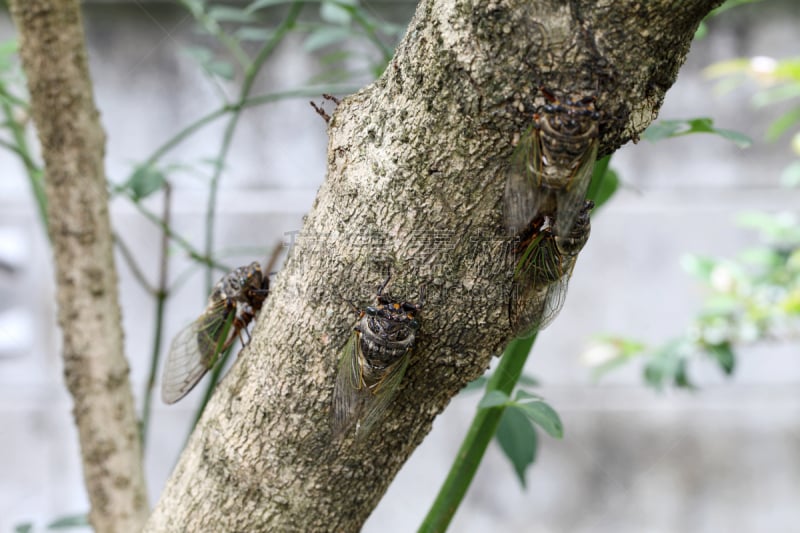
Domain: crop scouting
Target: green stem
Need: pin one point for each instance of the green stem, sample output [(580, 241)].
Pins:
[(183, 243), (216, 374), (219, 163), (480, 433), (127, 256), (250, 77), (371, 34), (161, 300), (33, 171), (261, 99), (213, 27)]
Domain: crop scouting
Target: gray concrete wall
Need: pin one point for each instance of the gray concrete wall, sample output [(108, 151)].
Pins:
[(632, 460)]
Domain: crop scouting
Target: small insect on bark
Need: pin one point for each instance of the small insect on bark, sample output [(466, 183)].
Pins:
[(234, 302), (552, 165), (544, 266), (373, 362)]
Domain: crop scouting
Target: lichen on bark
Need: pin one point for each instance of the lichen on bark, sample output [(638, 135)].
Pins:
[(414, 181)]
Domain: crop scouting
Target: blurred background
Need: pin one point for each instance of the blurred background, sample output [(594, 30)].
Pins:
[(676, 376)]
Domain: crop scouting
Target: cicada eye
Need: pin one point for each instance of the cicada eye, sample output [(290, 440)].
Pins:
[(371, 311)]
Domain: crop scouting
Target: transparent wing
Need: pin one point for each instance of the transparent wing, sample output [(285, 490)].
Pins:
[(381, 395), (540, 262), (522, 179), (539, 287), (349, 387), (571, 200), (553, 301), (194, 350)]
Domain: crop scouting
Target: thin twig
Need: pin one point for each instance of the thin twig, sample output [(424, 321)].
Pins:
[(127, 255), (161, 300), (247, 85)]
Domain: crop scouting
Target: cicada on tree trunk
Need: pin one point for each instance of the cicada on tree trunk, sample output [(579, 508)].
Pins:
[(546, 211), (234, 302), (373, 363)]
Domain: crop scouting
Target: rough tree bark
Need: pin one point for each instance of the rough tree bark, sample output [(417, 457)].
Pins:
[(95, 369), (415, 181)]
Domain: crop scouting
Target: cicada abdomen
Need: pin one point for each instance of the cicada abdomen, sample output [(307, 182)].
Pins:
[(234, 302), (373, 363), (552, 165), (544, 264)]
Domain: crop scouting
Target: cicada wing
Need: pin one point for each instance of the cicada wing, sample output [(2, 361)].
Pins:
[(349, 388), (381, 394), (540, 261), (553, 301), (536, 292), (570, 201), (523, 176), (194, 350), (525, 307)]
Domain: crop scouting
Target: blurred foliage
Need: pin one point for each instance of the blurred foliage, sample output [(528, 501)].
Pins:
[(755, 296), (752, 297), (778, 82), (702, 30), (665, 129)]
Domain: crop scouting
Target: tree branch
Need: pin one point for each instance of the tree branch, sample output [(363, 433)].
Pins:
[(95, 369), (415, 180)]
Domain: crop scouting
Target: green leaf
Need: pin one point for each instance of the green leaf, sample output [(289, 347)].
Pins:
[(783, 123), (200, 53), (668, 365), (337, 56), (69, 522), (144, 181), (609, 352), (261, 4), (26, 527), (222, 13), (529, 381), (777, 93), (540, 413), (664, 129), (604, 184), (720, 305), (517, 438), (205, 57), (221, 68), (254, 33), (723, 354), (698, 266), (701, 31), (8, 53), (476, 384), (335, 13), (325, 36), (494, 398)]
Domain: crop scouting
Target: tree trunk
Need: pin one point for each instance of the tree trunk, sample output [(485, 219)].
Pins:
[(95, 369), (415, 182)]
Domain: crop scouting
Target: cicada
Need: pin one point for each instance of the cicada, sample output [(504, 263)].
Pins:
[(545, 261), (373, 362), (234, 302), (552, 165)]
